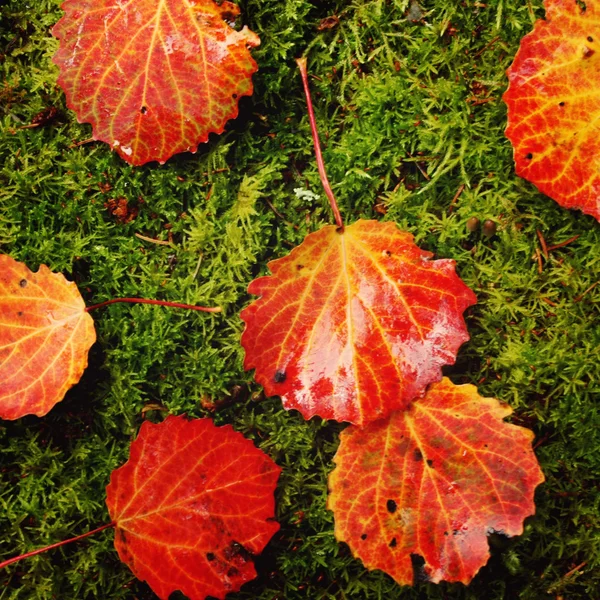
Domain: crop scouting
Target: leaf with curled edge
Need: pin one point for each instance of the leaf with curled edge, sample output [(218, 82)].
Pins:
[(191, 506), (553, 101), (153, 77), (354, 325), (433, 481), (45, 336)]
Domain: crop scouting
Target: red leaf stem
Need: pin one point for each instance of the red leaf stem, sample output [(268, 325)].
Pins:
[(214, 309), (320, 164), (15, 559)]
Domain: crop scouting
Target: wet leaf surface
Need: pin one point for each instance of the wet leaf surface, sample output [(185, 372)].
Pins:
[(427, 485), (45, 336), (153, 77), (352, 326), (192, 505), (553, 104)]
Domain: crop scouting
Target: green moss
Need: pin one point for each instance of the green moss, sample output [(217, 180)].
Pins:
[(410, 115)]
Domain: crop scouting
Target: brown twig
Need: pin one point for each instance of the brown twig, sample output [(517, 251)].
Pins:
[(488, 45), (542, 243), (279, 214), (538, 256), (459, 191), (586, 291), (76, 144), (152, 240), (548, 301), (563, 244)]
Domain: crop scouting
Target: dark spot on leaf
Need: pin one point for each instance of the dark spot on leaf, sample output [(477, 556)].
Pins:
[(418, 455), (529, 156), (363, 536), (418, 564), (236, 550), (590, 38), (387, 253), (391, 506), (393, 542), (210, 556), (20, 313), (588, 52), (279, 377), (299, 267), (232, 572), (561, 103), (445, 533), (430, 463), (143, 110), (23, 283), (234, 96)]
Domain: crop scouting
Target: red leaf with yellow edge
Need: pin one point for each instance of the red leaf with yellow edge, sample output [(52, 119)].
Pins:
[(191, 505), (153, 77), (45, 336), (433, 481), (353, 325), (553, 104)]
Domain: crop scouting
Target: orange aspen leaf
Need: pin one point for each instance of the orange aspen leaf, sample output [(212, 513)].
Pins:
[(432, 482), (45, 336), (153, 77), (191, 506), (553, 105), (354, 324)]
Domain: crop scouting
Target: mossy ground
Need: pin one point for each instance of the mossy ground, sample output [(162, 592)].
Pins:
[(410, 113)]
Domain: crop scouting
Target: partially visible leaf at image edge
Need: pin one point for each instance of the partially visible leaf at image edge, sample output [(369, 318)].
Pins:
[(153, 77), (45, 336), (354, 325), (433, 481), (553, 102), (191, 506)]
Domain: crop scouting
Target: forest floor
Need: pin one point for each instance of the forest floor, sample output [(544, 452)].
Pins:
[(408, 101)]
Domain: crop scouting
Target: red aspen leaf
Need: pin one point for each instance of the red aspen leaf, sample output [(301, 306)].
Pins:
[(191, 505), (433, 481), (45, 336), (352, 326), (153, 77), (553, 105)]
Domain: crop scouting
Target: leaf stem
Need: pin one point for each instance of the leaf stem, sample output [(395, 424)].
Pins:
[(301, 62), (15, 559), (214, 309)]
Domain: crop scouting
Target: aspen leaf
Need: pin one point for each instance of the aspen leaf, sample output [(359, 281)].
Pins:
[(153, 77), (354, 325), (553, 102), (191, 505), (45, 336), (432, 482)]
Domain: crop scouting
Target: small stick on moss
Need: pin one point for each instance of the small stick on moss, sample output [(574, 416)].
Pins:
[(578, 299), (15, 559), (460, 190), (152, 240), (563, 244), (542, 243), (76, 144), (538, 256), (279, 214), (301, 62), (214, 309)]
